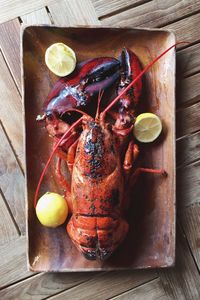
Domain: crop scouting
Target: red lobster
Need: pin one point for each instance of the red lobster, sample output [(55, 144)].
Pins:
[(101, 162)]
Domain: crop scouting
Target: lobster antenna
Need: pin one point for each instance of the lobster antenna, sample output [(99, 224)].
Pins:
[(98, 105), (79, 111), (51, 156), (139, 76)]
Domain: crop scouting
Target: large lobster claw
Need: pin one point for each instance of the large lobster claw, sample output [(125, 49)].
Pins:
[(79, 90), (83, 85)]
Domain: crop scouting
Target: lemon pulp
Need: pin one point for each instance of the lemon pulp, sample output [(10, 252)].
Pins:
[(147, 127), (60, 59)]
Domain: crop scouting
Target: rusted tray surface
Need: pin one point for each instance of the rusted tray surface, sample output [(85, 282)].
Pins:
[(151, 238)]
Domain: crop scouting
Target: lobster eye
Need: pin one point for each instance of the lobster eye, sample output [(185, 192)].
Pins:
[(49, 115)]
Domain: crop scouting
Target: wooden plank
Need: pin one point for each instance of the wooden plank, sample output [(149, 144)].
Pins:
[(181, 282), (154, 13), (107, 285), (8, 231), (190, 220), (104, 7), (44, 285), (67, 12), (36, 17), (152, 290), (10, 46), (11, 110), (188, 61), (187, 120), (13, 262), (188, 179), (184, 29), (12, 182), (11, 9), (188, 149), (188, 90)]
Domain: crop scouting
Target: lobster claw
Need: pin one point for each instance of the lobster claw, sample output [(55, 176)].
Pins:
[(83, 86), (79, 90), (130, 70)]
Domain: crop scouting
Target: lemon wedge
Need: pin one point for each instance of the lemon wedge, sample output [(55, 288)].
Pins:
[(147, 127), (52, 210), (60, 59)]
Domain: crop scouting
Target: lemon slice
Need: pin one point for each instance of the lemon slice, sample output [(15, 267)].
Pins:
[(51, 210), (147, 127), (60, 59)]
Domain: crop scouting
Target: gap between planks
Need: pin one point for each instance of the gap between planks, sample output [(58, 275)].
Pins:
[(10, 213), (17, 282), (111, 279), (150, 290), (181, 282), (181, 224), (190, 220), (112, 11), (191, 14), (10, 47), (11, 146), (155, 13), (13, 107), (11, 9)]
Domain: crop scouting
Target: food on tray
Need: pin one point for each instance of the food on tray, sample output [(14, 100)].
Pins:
[(52, 210), (98, 147), (147, 127), (60, 59)]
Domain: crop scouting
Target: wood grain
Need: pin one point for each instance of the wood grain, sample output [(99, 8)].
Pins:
[(188, 90), (187, 120), (106, 285), (184, 29), (11, 9), (13, 262), (104, 7), (10, 46), (188, 179), (69, 13), (181, 282), (151, 290), (44, 285), (188, 149), (12, 182), (11, 110), (36, 17), (190, 220), (154, 13), (188, 61), (8, 231)]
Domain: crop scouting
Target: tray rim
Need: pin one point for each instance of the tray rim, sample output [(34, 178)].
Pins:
[(171, 32)]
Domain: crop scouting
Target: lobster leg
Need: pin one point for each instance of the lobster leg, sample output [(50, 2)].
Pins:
[(130, 157), (62, 180), (71, 155), (64, 183), (146, 170)]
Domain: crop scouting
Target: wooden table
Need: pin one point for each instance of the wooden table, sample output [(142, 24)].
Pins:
[(181, 282)]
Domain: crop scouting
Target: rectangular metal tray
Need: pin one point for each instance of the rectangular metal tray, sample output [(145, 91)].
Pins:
[(151, 239)]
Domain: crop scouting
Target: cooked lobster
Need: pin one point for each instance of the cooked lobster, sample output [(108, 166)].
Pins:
[(100, 152)]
